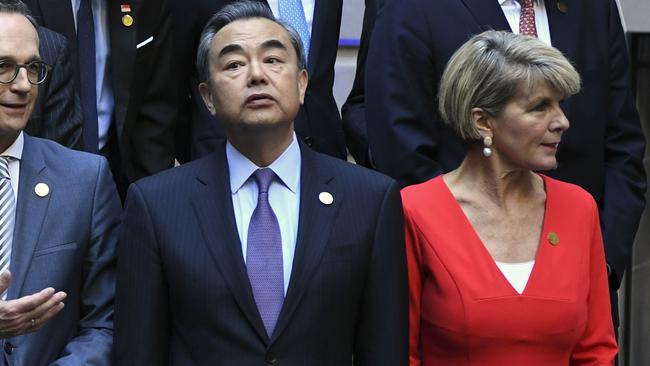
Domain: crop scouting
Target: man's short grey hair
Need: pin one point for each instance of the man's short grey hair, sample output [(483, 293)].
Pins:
[(17, 7), (238, 11), (490, 68)]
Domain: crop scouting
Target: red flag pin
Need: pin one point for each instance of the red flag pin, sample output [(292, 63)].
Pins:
[(125, 8)]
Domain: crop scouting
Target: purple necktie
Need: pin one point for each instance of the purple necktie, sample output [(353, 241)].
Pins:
[(264, 254)]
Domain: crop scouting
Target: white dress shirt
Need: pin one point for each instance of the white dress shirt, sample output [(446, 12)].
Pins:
[(103, 87), (512, 9), (284, 197), (307, 7)]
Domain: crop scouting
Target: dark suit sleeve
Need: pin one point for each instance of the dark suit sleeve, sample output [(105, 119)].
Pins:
[(93, 344), (382, 331), (353, 112), (141, 310), (60, 112), (625, 180), (401, 94)]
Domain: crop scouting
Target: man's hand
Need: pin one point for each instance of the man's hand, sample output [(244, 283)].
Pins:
[(28, 313)]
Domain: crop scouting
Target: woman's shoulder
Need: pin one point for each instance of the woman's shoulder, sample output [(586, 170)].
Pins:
[(567, 194), (428, 190)]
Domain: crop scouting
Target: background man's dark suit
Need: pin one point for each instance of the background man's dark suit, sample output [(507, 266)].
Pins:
[(57, 112), (353, 112), (603, 149), (318, 123), (143, 84), (181, 262)]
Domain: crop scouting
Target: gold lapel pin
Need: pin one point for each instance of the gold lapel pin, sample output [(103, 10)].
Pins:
[(42, 189), (326, 198), (562, 7), (553, 238), (127, 19)]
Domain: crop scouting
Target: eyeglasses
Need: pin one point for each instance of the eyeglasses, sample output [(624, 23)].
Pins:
[(36, 71)]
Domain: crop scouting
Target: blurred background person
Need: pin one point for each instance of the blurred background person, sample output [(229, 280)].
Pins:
[(506, 266), (123, 57)]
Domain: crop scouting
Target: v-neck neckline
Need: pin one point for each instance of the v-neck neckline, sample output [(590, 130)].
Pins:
[(485, 254)]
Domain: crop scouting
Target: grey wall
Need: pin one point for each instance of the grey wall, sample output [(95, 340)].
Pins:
[(636, 15)]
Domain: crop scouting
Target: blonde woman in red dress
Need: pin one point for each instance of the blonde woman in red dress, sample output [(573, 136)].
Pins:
[(506, 265)]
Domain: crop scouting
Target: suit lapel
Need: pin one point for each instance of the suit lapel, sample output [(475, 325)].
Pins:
[(30, 213), (214, 213), (564, 29), (488, 14), (318, 26), (314, 226), (122, 59)]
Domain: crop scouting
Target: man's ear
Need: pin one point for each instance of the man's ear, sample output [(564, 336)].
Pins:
[(206, 94), (303, 80), (482, 121)]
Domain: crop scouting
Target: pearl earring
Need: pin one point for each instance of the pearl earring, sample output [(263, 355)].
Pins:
[(487, 142)]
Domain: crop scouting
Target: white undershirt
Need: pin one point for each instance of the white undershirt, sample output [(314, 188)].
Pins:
[(512, 9), (516, 273)]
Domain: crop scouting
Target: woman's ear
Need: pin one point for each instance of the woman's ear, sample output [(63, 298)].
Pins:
[(482, 121)]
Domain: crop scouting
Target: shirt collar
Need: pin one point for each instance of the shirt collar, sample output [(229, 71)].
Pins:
[(286, 166), (15, 150), (509, 2)]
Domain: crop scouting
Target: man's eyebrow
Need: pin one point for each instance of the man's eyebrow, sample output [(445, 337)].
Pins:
[(11, 58), (273, 43), (229, 49)]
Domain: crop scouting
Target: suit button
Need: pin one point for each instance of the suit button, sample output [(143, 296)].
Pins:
[(9, 347), (309, 141), (270, 359)]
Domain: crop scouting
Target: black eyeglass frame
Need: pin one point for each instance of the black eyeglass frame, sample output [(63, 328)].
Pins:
[(26, 66)]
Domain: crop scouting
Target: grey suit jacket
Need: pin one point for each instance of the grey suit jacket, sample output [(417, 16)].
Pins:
[(57, 111), (65, 240)]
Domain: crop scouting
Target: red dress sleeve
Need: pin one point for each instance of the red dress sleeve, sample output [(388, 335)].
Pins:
[(597, 346), (413, 258)]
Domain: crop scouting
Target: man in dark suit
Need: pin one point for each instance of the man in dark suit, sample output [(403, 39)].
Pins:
[(318, 123), (602, 151), (59, 215), (263, 251), (137, 102), (57, 113)]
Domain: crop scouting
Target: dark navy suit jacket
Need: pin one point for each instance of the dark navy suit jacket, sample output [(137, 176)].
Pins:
[(184, 297), (602, 150), (57, 111), (318, 123)]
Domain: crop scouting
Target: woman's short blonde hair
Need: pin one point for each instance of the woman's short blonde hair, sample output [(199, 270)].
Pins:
[(490, 68)]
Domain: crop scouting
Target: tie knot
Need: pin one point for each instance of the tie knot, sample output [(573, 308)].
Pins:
[(263, 177), (527, 4), (4, 166)]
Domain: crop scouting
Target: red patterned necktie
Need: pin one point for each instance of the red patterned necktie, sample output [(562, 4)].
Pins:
[(527, 18)]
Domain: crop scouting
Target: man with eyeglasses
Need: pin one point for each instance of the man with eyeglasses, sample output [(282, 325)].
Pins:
[(59, 215)]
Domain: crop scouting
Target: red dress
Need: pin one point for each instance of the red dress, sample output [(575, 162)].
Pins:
[(464, 312)]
